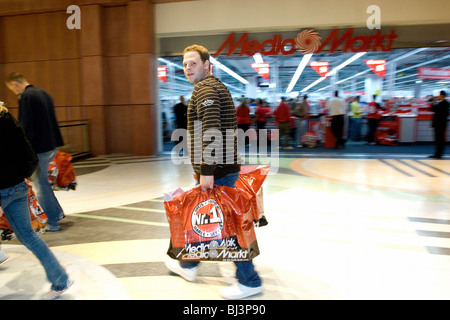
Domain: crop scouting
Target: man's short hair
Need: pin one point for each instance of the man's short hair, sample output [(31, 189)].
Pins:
[(15, 76), (202, 51)]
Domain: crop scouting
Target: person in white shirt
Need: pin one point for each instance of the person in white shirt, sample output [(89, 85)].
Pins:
[(336, 107)]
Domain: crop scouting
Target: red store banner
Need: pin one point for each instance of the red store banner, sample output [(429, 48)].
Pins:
[(378, 66), (162, 74), (433, 73), (321, 67), (308, 41), (263, 69)]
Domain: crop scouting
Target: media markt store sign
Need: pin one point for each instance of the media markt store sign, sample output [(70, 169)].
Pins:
[(308, 41), (282, 52)]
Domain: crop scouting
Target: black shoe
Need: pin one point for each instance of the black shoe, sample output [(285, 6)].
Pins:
[(434, 156)]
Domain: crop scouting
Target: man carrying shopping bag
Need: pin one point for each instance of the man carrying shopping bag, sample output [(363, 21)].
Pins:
[(211, 110)]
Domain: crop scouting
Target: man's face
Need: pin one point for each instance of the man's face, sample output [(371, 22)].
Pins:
[(194, 69)]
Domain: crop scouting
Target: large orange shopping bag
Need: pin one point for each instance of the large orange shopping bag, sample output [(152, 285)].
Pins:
[(212, 225), (61, 174), (251, 179), (37, 216)]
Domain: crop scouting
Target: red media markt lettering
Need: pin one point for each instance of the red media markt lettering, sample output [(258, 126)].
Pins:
[(276, 45)]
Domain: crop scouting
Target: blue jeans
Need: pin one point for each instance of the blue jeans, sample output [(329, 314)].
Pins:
[(355, 133), (245, 271), (44, 191), (14, 202)]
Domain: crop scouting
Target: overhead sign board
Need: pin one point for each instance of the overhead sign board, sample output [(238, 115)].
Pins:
[(263, 69), (309, 41), (321, 67), (433, 73), (378, 66), (162, 74)]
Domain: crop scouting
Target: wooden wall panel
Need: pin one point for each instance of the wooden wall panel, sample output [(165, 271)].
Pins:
[(139, 68), (72, 83), (120, 129), (115, 31), (116, 80), (63, 42), (91, 31), (139, 26), (103, 72), (97, 133), (142, 128)]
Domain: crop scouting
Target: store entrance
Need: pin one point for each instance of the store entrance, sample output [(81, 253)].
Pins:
[(403, 81)]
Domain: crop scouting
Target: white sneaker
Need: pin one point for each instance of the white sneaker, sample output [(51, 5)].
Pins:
[(239, 291), (54, 294), (73, 285), (3, 256), (175, 267)]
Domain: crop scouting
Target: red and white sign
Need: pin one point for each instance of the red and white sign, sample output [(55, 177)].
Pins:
[(433, 73), (321, 67), (378, 66), (308, 41), (162, 74), (262, 68)]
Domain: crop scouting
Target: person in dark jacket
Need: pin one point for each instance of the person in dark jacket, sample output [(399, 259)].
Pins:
[(180, 110), (17, 162), (440, 107), (38, 118)]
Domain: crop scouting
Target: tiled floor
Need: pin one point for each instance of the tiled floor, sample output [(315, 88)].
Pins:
[(341, 226)]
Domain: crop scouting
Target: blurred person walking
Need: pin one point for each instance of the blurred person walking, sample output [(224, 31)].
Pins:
[(301, 112), (336, 107), (356, 120), (283, 117), (373, 117), (18, 162), (243, 118), (262, 112), (212, 104), (38, 118), (440, 107), (180, 110)]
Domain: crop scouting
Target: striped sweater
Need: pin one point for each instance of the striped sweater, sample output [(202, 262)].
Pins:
[(212, 129)]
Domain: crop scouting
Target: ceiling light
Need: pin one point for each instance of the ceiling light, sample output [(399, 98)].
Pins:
[(170, 63), (258, 58), (313, 84), (354, 76), (346, 62), (227, 70), (299, 71), (339, 67), (425, 63), (409, 54)]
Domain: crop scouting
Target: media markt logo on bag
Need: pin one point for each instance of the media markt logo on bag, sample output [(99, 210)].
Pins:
[(207, 219)]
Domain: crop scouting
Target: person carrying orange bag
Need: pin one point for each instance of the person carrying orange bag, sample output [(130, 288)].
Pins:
[(214, 155)]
